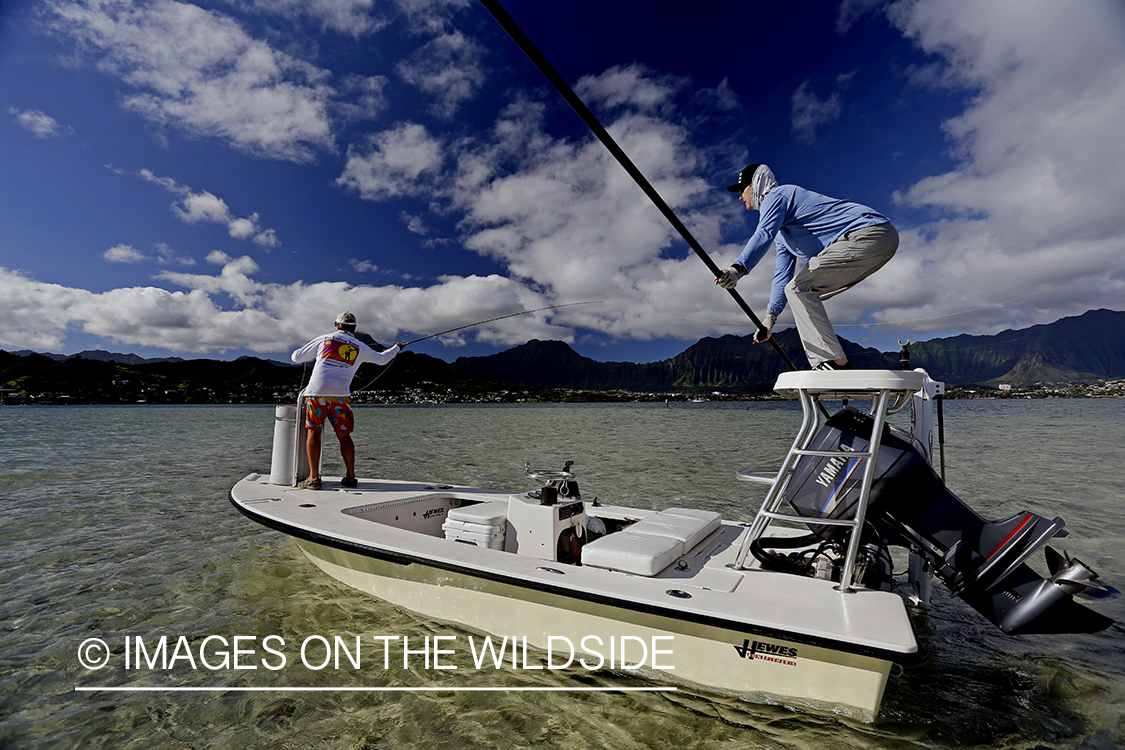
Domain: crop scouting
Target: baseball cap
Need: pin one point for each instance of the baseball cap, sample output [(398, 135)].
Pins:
[(744, 178), (345, 318)]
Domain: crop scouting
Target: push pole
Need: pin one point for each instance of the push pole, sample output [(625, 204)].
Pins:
[(524, 42)]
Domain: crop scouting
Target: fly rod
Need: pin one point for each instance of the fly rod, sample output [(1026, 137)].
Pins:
[(502, 317), (537, 58), (387, 366)]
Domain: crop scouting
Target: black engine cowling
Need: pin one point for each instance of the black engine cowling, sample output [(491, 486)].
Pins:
[(980, 561)]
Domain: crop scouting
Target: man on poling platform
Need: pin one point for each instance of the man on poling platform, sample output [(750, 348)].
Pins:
[(840, 243)]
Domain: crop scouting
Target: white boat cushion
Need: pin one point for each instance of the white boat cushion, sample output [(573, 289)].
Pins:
[(671, 533), (706, 522), (687, 525), (640, 554), (487, 514)]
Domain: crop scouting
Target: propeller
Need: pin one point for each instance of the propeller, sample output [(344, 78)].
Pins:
[(1077, 579)]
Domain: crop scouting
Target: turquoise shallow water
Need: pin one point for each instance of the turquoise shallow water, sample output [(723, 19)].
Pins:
[(116, 524)]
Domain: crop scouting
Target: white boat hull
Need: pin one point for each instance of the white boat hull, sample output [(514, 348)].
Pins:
[(790, 673), (763, 636)]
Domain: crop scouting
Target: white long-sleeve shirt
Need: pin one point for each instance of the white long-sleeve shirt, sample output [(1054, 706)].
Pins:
[(337, 356)]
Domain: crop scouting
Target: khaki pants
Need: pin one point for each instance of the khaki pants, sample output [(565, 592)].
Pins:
[(843, 264)]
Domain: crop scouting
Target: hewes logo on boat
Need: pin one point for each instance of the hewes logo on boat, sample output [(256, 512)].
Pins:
[(766, 651)]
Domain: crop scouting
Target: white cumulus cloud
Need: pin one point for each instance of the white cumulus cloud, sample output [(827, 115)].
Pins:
[(809, 112), (36, 122), (392, 162), (355, 18), (196, 316), (449, 68), (123, 254), (195, 207), (201, 71), (1028, 224)]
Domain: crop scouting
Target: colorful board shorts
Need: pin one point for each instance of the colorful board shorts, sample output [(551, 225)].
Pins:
[(336, 409)]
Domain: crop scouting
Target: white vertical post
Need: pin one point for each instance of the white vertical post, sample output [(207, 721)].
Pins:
[(282, 465)]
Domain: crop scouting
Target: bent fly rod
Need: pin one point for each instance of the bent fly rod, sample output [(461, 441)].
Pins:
[(502, 317), (387, 366), (537, 58)]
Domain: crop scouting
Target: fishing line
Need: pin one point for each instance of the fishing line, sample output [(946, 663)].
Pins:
[(502, 317), (304, 367), (982, 346), (382, 372), (537, 58), (387, 366)]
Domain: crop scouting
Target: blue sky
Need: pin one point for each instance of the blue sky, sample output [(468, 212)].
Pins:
[(218, 179)]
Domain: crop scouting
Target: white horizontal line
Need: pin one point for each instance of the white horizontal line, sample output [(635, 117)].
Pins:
[(374, 689)]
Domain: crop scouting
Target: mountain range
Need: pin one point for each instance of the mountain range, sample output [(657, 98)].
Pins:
[(99, 355), (1085, 348)]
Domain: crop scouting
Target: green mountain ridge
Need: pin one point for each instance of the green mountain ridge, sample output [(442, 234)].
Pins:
[(1081, 349), (1084, 348)]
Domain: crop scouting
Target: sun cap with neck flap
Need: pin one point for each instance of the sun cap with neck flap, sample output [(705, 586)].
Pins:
[(760, 179)]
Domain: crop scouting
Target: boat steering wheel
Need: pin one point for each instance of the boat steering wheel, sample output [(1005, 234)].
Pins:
[(549, 477)]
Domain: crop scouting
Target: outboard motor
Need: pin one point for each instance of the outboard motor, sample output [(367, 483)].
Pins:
[(980, 561)]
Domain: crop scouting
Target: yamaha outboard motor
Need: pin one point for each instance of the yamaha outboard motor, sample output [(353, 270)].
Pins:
[(980, 561)]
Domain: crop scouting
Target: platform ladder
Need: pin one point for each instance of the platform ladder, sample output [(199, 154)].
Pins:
[(887, 390)]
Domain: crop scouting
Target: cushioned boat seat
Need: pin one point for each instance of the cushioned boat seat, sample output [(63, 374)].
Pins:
[(640, 554), (651, 544), (685, 524)]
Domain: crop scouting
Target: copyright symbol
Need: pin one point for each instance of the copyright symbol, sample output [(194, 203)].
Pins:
[(93, 653)]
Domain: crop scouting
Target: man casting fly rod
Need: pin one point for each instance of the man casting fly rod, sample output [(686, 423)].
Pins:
[(336, 358)]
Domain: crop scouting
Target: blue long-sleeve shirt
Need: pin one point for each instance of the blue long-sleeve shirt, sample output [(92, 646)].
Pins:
[(800, 223)]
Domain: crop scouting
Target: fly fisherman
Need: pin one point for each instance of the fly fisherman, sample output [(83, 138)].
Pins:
[(338, 355), (840, 243)]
